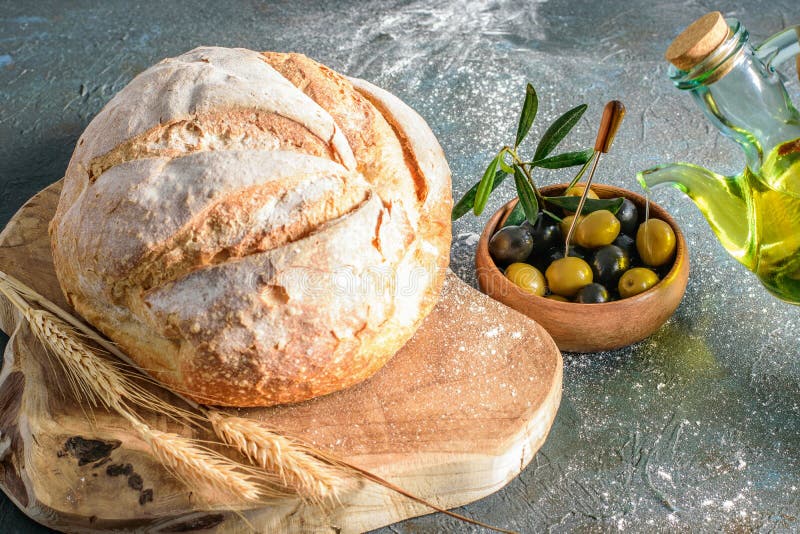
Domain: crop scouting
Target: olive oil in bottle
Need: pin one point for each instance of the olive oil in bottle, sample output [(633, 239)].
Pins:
[(755, 216), (775, 221)]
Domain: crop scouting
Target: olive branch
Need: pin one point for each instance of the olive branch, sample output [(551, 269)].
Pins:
[(509, 162)]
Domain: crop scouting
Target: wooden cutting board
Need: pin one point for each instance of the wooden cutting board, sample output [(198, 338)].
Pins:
[(453, 417)]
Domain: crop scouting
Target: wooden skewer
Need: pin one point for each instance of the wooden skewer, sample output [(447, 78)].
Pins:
[(613, 114)]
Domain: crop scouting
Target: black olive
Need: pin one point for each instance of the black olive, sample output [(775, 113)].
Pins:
[(608, 264), (663, 270), (546, 235), (592, 294), (510, 244), (628, 217), (628, 244), (540, 262), (558, 252)]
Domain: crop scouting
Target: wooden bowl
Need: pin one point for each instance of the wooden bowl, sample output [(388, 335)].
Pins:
[(590, 327)]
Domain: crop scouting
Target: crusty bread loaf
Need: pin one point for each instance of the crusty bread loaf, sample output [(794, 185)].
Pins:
[(254, 228)]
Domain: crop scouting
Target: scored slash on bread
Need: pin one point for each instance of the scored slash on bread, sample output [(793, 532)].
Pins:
[(254, 228)]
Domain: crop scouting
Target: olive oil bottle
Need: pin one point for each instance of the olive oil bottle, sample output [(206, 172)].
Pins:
[(775, 222), (756, 217), (755, 214)]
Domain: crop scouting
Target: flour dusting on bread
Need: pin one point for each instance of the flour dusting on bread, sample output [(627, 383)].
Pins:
[(254, 228)]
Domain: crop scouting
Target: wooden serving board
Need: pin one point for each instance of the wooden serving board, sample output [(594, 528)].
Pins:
[(453, 417)]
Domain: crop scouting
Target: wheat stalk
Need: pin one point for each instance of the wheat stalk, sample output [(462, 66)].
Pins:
[(95, 379), (295, 464), (98, 379), (101, 383), (301, 465), (315, 476), (199, 467)]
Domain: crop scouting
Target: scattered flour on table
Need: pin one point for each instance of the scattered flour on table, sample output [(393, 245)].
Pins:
[(469, 238)]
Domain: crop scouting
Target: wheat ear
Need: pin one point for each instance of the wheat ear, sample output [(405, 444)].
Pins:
[(101, 382), (303, 467), (186, 460), (295, 464), (94, 378), (199, 467)]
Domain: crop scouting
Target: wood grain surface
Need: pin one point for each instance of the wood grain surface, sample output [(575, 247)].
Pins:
[(454, 416)]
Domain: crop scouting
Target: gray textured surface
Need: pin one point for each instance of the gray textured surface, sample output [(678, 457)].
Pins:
[(695, 428)]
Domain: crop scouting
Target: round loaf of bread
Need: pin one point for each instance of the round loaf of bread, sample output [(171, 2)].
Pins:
[(254, 228)]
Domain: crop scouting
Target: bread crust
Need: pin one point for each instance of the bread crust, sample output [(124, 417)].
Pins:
[(254, 228)]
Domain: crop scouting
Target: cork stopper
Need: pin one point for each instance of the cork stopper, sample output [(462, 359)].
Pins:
[(697, 41)]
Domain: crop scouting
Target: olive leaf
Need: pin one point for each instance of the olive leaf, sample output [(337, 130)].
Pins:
[(485, 186), (557, 131), (499, 169), (516, 217), (591, 204), (527, 197), (529, 109), (552, 215), (567, 159), (466, 203), (580, 173), (505, 167)]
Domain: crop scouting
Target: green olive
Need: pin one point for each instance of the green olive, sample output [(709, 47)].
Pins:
[(566, 222), (655, 242), (566, 276), (597, 229), (635, 281), (527, 277), (557, 298), (577, 190)]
